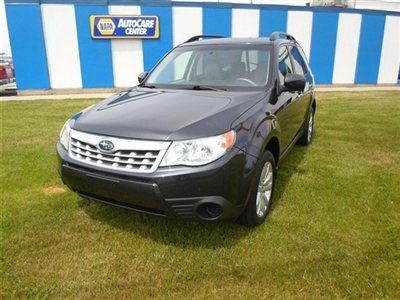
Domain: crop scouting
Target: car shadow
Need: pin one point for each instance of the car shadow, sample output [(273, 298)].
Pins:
[(167, 231), (189, 234), (288, 166)]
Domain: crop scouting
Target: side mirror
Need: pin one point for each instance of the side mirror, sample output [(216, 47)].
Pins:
[(295, 82), (142, 76)]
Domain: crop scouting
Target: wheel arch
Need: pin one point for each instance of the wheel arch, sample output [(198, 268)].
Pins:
[(273, 145)]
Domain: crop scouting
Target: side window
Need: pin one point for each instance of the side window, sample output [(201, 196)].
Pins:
[(180, 64), (196, 68), (253, 60), (200, 66), (250, 60), (284, 64), (300, 66), (243, 60)]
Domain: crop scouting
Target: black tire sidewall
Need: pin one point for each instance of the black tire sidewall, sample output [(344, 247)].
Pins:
[(303, 140)]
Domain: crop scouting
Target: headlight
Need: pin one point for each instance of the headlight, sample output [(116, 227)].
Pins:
[(66, 130), (200, 151), (64, 135)]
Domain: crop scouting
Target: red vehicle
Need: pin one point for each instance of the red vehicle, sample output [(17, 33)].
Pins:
[(6, 72), (7, 75)]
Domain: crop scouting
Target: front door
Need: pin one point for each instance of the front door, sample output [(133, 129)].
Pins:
[(288, 108), (303, 98)]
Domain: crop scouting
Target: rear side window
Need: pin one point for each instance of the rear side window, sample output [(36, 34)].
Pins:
[(285, 65), (300, 66)]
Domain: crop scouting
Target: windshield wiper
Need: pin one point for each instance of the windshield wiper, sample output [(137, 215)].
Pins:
[(148, 86), (206, 87)]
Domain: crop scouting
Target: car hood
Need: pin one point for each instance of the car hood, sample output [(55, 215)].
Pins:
[(165, 114)]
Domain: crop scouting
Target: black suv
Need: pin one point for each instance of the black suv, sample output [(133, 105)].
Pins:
[(201, 136)]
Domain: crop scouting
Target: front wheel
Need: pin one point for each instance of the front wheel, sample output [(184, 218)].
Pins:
[(306, 137), (262, 192)]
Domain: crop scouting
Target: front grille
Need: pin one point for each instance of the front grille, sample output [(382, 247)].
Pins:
[(129, 155), (125, 159)]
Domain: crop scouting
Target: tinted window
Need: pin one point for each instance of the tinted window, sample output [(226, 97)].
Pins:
[(300, 66), (285, 65)]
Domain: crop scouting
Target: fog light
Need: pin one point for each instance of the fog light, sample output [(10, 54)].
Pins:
[(209, 211)]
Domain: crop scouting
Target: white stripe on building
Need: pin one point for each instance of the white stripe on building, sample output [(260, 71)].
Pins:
[(299, 24), (390, 56), (347, 40), (127, 54), (186, 22), (4, 40), (59, 27), (245, 22)]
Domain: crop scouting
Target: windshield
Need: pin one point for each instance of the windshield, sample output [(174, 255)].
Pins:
[(221, 66)]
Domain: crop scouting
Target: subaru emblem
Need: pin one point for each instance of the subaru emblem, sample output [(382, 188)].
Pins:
[(105, 146)]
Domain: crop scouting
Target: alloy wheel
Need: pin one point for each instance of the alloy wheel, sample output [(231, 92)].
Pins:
[(310, 127), (264, 191)]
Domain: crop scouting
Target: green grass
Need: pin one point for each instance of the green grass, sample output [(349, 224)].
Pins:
[(334, 230)]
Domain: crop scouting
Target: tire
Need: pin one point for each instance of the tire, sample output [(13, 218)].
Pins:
[(254, 215), (306, 137)]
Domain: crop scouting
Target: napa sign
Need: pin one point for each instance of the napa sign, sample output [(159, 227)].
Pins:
[(124, 27)]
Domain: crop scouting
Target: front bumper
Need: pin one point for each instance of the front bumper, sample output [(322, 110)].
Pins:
[(213, 192)]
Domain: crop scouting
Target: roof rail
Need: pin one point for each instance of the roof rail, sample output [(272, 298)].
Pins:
[(200, 37), (281, 35)]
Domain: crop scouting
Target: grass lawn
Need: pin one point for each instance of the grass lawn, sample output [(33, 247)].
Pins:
[(334, 229)]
